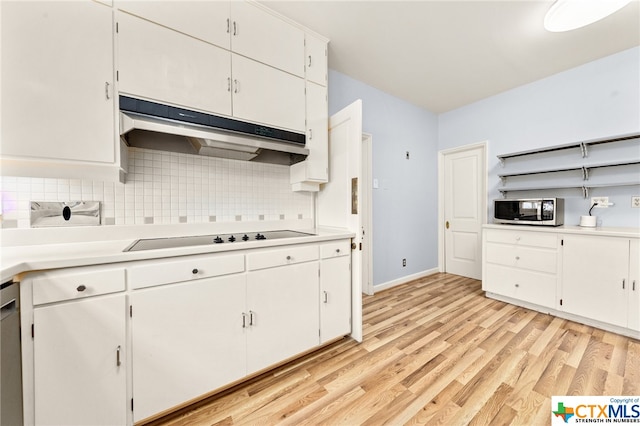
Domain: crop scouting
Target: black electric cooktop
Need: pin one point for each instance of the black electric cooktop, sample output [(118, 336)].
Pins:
[(201, 240)]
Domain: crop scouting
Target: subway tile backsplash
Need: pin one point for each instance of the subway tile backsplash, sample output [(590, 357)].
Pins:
[(169, 188)]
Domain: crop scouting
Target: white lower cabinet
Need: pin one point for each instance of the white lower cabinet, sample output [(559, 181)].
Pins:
[(596, 281), (521, 265), (335, 290), (78, 344), (587, 277), (634, 291), (282, 304), (187, 341), (125, 343)]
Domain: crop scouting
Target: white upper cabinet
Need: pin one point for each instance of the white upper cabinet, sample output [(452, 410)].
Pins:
[(205, 20), (57, 85), (266, 95), (314, 170), (260, 35), (315, 60), (161, 64)]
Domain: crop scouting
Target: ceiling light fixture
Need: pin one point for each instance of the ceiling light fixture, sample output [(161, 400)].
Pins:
[(567, 15)]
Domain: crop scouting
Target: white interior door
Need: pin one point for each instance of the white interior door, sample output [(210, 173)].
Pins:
[(338, 204), (464, 210)]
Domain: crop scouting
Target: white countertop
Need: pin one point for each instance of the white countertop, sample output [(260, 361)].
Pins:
[(18, 259), (602, 231)]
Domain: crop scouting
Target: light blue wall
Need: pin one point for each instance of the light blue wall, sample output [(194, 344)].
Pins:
[(405, 205), (598, 99)]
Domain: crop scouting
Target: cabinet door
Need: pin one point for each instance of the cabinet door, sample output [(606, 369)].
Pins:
[(284, 317), (160, 64), (77, 379), (335, 298), (528, 286), (315, 167), (206, 20), (57, 81), (594, 269), (187, 340), (258, 34), (634, 287), (315, 60), (263, 94)]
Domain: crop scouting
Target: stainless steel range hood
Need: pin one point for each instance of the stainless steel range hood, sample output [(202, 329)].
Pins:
[(150, 125)]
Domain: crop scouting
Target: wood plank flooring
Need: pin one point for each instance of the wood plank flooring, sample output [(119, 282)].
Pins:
[(435, 352)]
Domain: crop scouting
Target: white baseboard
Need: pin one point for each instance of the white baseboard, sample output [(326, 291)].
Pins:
[(405, 279)]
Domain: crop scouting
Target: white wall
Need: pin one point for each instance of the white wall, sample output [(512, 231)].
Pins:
[(598, 99), (405, 205)]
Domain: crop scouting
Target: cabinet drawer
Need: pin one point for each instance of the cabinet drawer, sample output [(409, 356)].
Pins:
[(522, 238), (279, 257), (535, 259), (335, 249), (163, 271), (77, 283), (527, 286)]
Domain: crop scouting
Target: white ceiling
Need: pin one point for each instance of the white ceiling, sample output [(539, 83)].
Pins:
[(441, 55)]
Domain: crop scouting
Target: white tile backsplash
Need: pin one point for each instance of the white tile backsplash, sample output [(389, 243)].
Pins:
[(167, 188)]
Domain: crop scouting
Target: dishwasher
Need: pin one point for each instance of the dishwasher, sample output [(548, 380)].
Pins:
[(10, 358)]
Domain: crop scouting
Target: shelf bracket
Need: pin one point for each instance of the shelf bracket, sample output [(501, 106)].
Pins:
[(584, 149), (501, 161), (585, 192), (585, 173)]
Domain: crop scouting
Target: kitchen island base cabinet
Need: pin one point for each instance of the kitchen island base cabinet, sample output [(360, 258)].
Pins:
[(188, 339), (80, 362)]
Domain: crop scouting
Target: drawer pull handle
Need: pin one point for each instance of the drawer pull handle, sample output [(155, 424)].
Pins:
[(288, 257), (251, 315), (633, 285), (118, 363), (81, 288), (623, 283), (195, 271), (517, 257), (244, 320), (337, 250), (517, 285), (326, 297)]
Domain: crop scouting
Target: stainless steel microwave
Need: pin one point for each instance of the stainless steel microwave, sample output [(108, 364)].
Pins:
[(529, 211)]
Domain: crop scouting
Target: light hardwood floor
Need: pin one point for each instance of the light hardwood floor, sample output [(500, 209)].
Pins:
[(435, 352)]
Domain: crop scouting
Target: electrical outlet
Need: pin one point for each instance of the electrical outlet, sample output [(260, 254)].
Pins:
[(404, 262), (635, 201), (603, 202)]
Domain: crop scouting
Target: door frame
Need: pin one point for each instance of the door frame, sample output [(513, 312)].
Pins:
[(442, 267), (367, 212)]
